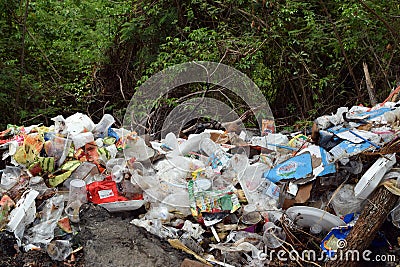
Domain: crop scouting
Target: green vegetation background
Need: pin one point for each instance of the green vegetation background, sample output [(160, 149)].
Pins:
[(67, 56)]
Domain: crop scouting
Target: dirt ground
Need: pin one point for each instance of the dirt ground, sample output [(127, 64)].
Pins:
[(107, 240)]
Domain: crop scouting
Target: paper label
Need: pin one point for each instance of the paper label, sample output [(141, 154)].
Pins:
[(270, 189), (105, 193)]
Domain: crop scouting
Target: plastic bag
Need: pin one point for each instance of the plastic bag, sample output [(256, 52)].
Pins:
[(103, 192), (82, 139), (78, 123), (101, 129), (10, 177), (43, 232)]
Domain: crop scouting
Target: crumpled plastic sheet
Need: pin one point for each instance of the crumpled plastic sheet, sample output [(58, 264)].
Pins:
[(43, 232)]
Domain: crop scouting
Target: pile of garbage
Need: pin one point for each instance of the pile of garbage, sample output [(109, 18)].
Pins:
[(226, 199)]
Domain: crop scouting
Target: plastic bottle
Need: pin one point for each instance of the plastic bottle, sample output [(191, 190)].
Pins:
[(84, 170), (217, 156), (257, 189), (190, 145)]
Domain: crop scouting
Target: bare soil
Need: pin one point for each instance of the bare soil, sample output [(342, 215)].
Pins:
[(107, 240)]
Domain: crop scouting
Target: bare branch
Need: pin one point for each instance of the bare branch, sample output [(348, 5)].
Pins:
[(120, 87)]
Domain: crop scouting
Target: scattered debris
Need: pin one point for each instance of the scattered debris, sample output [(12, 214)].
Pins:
[(223, 205)]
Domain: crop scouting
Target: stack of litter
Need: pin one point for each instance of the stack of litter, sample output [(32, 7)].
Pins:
[(219, 196), (53, 171)]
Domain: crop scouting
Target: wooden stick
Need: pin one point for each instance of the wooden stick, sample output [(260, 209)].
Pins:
[(370, 87)]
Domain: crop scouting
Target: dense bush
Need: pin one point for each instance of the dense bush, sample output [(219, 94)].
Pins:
[(60, 57)]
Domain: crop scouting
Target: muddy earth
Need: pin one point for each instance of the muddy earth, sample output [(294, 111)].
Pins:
[(107, 239)]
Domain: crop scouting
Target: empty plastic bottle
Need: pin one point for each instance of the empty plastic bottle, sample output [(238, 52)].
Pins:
[(217, 156)]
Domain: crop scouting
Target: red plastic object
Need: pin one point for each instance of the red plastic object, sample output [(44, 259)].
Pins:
[(103, 192)]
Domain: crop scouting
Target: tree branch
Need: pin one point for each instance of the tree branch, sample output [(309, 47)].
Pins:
[(359, 95), (22, 59)]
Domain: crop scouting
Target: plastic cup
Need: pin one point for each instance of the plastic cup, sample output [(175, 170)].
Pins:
[(274, 236), (59, 149), (249, 208), (77, 191), (251, 218), (250, 215), (316, 229), (59, 250), (72, 210), (395, 214), (111, 163), (345, 202), (117, 173)]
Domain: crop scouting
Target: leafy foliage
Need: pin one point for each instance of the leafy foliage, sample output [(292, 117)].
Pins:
[(64, 46), (305, 56)]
